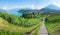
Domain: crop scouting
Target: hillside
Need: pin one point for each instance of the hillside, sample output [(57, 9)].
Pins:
[(53, 24), (6, 26)]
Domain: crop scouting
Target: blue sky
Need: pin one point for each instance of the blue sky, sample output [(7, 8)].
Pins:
[(34, 4)]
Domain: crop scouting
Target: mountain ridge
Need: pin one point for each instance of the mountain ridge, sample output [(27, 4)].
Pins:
[(53, 7)]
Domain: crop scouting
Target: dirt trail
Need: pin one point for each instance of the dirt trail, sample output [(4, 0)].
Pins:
[(43, 30)]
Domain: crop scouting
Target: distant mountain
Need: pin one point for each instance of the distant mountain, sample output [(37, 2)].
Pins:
[(27, 8), (50, 9), (17, 9), (1, 10), (14, 11), (54, 7)]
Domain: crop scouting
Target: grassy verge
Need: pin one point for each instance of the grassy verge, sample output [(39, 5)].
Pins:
[(36, 30), (10, 28), (53, 25)]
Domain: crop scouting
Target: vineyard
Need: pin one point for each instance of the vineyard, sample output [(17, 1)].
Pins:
[(53, 24), (15, 25)]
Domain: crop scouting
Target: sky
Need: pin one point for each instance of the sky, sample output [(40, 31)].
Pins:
[(34, 4)]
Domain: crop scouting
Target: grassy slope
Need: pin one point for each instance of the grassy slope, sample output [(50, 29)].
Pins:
[(53, 24), (4, 25)]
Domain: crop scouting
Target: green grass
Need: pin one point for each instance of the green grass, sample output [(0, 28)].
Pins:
[(29, 22), (53, 24), (6, 26), (20, 21), (4, 32), (36, 32)]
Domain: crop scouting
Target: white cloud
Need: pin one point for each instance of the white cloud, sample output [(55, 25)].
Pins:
[(26, 6), (56, 2), (5, 8)]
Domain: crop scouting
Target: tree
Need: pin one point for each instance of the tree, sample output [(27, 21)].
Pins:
[(26, 13), (30, 13)]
